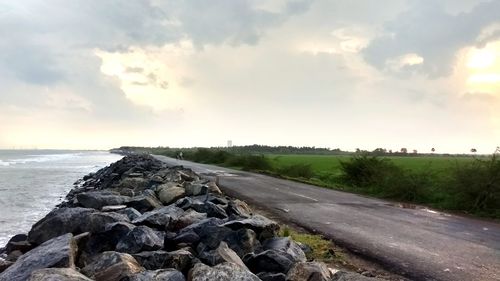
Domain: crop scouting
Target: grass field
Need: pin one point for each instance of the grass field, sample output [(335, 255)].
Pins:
[(322, 164)]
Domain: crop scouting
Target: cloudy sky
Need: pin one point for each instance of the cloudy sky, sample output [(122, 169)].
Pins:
[(346, 73)]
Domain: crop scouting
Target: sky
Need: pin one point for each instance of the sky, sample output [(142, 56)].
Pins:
[(93, 74)]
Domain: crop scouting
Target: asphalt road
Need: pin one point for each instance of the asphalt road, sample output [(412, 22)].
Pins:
[(418, 243)]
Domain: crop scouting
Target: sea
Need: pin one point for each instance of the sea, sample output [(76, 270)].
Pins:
[(33, 182)]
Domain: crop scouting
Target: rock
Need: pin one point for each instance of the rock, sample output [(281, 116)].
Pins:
[(285, 245), (59, 222), (186, 238), (141, 238), (103, 241), (242, 241), (136, 184), (144, 203), (14, 255), (268, 276), (239, 209), (171, 194), (57, 252), (213, 188), (97, 222), (181, 260), (158, 275), (188, 175), (211, 209), (200, 226), (351, 276), (312, 271), (229, 255), (113, 208), (112, 266), (131, 213), (99, 199), (18, 242), (269, 261), (196, 188), (263, 227), (57, 274), (221, 272), (160, 218), (187, 218), (4, 265), (127, 192)]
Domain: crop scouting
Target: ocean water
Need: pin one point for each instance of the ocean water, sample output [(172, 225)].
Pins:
[(33, 182)]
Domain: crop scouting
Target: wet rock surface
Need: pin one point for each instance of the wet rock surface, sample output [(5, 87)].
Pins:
[(139, 219)]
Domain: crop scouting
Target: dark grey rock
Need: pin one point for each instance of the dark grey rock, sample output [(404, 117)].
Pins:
[(141, 238), (97, 222), (263, 227), (211, 209), (144, 203), (221, 272), (131, 213), (351, 276), (4, 264), (187, 218), (285, 245), (113, 208), (181, 260), (270, 261), (59, 222), (99, 199), (57, 274), (160, 218), (57, 252), (18, 242)]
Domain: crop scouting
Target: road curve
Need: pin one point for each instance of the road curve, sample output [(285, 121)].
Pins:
[(420, 244)]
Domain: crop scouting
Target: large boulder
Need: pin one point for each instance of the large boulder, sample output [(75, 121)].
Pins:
[(57, 252), (141, 238), (59, 222), (195, 188), (285, 245), (18, 242), (97, 222), (144, 203), (181, 260), (134, 183), (131, 213), (242, 241), (221, 272), (158, 275), (112, 266), (169, 195), (57, 274), (4, 264), (263, 227), (311, 271), (99, 199), (211, 209), (269, 276), (187, 218), (238, 209), (160, 218)]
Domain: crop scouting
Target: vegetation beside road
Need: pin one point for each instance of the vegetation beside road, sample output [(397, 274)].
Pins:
[(459, 183)]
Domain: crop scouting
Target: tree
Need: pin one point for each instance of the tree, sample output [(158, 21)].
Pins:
[(473, 150), (415, 151), (404, 150), (433, 150)]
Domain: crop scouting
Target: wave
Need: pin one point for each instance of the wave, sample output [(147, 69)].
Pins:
[(39, 158)]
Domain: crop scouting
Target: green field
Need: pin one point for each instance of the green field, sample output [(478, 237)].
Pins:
[(322, 164)]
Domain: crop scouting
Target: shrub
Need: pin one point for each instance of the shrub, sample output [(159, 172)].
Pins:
[(299, 170), (250, 162), (476, 185), (365, 171)]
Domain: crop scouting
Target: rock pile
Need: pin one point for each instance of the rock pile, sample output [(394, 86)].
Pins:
[(141, 220)]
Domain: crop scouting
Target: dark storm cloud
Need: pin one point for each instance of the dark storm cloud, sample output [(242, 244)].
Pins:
[(429, 31)]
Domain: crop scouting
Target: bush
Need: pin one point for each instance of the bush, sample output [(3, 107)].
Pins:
[(297, 171), (365, 171), (250, 162), (476, 186)]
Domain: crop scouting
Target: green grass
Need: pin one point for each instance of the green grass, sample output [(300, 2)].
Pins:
[(331, 164)]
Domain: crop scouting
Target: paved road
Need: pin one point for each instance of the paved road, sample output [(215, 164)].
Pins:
[(419, 243)]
